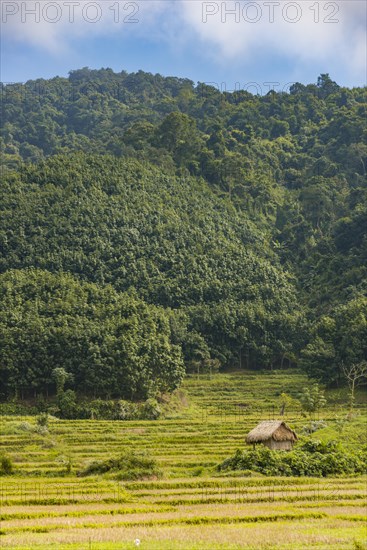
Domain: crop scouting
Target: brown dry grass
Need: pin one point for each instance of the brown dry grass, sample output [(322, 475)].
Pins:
[(331, 533)]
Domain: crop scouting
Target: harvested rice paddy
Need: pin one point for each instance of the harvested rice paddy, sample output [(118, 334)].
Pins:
[(46, 506)]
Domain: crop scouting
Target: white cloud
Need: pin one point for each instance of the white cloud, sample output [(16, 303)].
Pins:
[(322, 30), (327, 31), (52, 25)]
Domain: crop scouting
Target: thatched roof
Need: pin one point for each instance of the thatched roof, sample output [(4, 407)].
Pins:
[(275, 429)]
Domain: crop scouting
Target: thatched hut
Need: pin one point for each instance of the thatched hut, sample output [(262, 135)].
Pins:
[(275, 434)]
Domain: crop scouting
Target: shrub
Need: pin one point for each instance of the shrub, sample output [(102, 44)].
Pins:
[(127, 410), (102, 409), (66, 462), (110, 410), (128, 466), (107, 409), (42, 424), (317, 446), (151, 410), (42, 419), (70, 407), (15, 408), (26, 427), (357, 545), (313, 426), (67, 404), (311, 458), (6, 466)]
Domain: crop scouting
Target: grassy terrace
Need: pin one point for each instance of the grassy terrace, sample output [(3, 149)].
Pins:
[(192, 506)]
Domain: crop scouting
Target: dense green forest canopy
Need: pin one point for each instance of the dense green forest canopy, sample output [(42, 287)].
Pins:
[(108, 343), (235, 222)]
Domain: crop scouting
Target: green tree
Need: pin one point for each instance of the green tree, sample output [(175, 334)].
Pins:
[(61, 377), (178, 134), (312, 399)]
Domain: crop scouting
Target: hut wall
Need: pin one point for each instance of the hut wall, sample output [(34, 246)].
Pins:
[(278, 445)]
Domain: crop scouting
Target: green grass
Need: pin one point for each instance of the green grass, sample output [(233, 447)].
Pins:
[(193, 506)]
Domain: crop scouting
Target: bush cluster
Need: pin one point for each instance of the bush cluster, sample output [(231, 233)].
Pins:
[(41, 426), (313, 426), (6, 465), (69, 406), (311, 458), (127, 466), (17, 408), (99, 409)]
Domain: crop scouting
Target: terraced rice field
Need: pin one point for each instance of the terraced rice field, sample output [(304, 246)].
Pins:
[(192, 507)]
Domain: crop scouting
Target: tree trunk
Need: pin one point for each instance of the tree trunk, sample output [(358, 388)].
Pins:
[(352, 388)]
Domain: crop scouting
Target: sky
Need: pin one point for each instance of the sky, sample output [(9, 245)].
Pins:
[(254, 45)]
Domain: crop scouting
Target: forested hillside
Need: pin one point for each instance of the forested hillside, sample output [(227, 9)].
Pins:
[(149, 224)]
